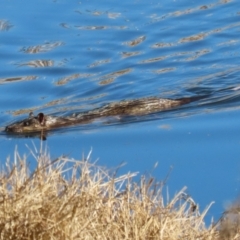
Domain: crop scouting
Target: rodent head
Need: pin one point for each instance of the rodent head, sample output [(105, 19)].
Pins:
[(30, 124)]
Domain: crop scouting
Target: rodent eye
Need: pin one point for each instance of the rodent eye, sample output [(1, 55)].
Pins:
[(40, 118), (26, 124)]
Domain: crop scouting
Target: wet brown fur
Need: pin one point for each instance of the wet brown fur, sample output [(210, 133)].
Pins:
[(135, 107)]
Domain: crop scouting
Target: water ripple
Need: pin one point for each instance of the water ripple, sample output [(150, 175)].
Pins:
[(37, 63), (17, 79), (179, 50), (41, 48)]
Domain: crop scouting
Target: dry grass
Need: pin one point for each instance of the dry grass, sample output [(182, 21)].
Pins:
[(230, 222), (69, 199)]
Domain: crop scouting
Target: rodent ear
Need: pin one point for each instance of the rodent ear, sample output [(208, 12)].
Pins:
[(40, 118), (31, 115)]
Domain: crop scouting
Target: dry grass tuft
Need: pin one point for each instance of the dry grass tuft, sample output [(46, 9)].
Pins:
[(230, 223), (69, 199)]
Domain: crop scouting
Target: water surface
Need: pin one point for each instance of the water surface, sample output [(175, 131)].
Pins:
[(62, 57)]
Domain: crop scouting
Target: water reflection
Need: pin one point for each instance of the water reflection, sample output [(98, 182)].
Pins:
[(98, 63), (197, 37), (75, 76), (228, 43), (136, 41), (5, 25), (156, 18), (164, 70), (65, 25), (38, 63), (162, 45), (92, 27), (17, 79), (109, 78), (41, 48), (114, 15), (111, 15), (130, 54), (221, 72), (106, 81), (156, 59), (197, 54)]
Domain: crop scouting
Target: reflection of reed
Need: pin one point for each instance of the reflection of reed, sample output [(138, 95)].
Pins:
[(111, 15), (156, 59), (197, 54), (92, 27), (42, 48), (4, 25), (156, 18), (196, 37), (114, 15), (17, 79), (107, 81), (162, 45), (100, 62), (109, 78), (100, 27), (130, 54), (165, 70), (67, 79), (38, 63), (120, 72), (136, 41)]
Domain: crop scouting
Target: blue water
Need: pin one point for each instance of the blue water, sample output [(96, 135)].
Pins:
[(61, 57)]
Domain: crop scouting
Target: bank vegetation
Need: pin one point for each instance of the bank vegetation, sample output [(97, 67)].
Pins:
[(65, 198)]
